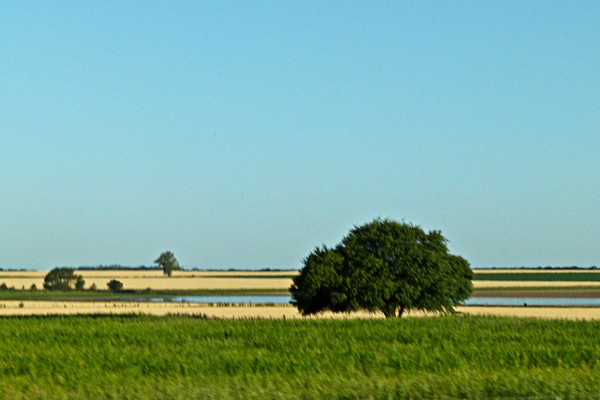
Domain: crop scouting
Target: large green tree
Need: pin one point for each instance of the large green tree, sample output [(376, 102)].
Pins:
[(383, 266), (63, 279), (168, 262)]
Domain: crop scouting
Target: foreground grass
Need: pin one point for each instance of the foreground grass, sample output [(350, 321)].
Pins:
[(136, 357)]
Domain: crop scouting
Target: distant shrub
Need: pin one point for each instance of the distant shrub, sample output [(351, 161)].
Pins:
[(115, 286), (93, 288), (63, 279), (79, 283), (33, 287), (3, 287)]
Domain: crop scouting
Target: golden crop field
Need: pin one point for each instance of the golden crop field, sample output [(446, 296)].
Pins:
[(276, 280), (156, 280), (198, 280), (275, 311), (534, 271), (532, 284)]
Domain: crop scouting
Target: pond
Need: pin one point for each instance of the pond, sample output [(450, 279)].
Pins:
[(475, 301), (226, 299)]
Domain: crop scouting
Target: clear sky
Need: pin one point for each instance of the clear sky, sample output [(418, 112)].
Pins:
[(242, 134)]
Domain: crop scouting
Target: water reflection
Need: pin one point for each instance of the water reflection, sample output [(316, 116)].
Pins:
[(532, 301), (475, 301), (227, 299)]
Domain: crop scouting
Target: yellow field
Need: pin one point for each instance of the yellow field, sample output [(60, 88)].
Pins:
[(278, 311), (532, 284), (535, 271), (191, 280), (181, 280), (575, 313)]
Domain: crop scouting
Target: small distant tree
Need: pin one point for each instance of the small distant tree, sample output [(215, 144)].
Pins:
[(63, 279), (168, 262), (93, 288), (115, 286), (79, 283), (33, 287), (3, 287)]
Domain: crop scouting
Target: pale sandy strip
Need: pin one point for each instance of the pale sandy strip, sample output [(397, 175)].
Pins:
[(71, 308), (530, 284), (167, 283), (587, 313), (198, 283), (38, 276), (535, 271), (289, 312), (162, 283)]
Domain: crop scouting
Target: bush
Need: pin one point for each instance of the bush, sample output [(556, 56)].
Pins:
[(115, 286), (63, 279), (79, 283)]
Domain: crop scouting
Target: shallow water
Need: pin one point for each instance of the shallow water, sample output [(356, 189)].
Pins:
[(532, 301), (476, 301), (227, 299)]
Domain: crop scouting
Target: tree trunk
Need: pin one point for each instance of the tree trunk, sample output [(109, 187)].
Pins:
[(401, 311), (389, 312)]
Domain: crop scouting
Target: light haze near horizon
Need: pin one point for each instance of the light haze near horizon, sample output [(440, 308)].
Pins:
[(244, 134)]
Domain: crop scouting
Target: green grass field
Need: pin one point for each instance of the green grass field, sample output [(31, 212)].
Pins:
[(141, 357)]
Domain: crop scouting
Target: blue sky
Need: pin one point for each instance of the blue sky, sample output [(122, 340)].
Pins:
[(244, 134)]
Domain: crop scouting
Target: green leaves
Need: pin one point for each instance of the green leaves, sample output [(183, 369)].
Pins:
[(168, 262), (63, 279), (320, 287), (383, 266), (115, 286)]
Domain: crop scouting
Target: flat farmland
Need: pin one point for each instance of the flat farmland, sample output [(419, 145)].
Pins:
[(138, 282), (521, 279), (534, 271), (282, 280), (156, 280), (24, 308), (562, 276)]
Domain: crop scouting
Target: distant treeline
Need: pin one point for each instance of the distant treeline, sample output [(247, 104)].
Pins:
[(118, 267)]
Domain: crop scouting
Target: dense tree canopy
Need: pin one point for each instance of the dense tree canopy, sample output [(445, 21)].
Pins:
[(115, 286), (63, 279), (383, 266), (168, 262)]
